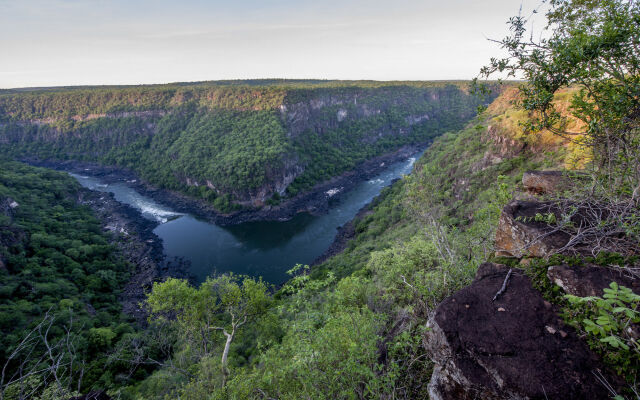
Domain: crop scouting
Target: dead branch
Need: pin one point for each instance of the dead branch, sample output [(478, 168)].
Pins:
[(504, 285)]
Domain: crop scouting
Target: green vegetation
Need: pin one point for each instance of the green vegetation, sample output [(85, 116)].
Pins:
[(262, 94), (590, 57), (201, 312), (592, 46), (608, 320), (605, 321), (352, 327), (231, 145), (59, 308)]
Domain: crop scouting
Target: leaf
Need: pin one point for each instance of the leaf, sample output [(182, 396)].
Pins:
[(610, 340), (614, 342)]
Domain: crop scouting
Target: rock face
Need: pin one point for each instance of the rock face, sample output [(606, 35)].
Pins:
[(515, 347), (519, 234), (589, 280), (544, 182), (8, 206), (504, 145)]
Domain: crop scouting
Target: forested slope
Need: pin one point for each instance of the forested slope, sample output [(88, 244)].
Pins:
[(62, 279), (233, 144)]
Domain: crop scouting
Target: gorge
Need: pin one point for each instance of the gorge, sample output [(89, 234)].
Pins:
[(264, 249)]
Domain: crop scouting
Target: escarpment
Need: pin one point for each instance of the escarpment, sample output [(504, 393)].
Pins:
[(233, 147)]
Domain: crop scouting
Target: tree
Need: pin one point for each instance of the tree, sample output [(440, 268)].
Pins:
[(42, 361), (593, 45), (223, 304)]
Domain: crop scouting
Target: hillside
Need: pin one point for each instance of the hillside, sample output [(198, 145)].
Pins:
[(232, 144), (357, 322), (455, 178)]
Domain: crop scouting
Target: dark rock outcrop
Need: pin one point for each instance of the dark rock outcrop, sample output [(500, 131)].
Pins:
[(515, 347), (590, 280), (519, 233), (544, 228)]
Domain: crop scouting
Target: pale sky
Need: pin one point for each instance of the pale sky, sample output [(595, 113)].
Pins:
[(81, 42)]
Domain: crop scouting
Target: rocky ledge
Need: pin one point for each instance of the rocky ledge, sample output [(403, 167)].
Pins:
[(513, 347), (522, 230)]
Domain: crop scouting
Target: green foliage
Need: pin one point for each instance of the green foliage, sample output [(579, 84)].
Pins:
[(334, 360), (228, 144), (592, 45), (221, 305), (611, 323), (548, 218), (56, 261), (198, 308)]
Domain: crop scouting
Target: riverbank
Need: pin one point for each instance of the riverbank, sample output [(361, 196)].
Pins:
[(315, 201), (133, 236)]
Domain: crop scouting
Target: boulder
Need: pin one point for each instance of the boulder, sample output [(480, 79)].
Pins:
[(590, 280), (541, 229), (519, 234), (544, 182), (515, 347)]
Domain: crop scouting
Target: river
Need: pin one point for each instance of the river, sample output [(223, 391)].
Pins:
[(267, 249)]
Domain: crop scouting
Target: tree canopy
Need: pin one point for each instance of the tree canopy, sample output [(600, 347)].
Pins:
[(593, 45)]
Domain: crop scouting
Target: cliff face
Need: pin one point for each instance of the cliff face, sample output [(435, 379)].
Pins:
[(387, 115), (324, 110), (232, 145)]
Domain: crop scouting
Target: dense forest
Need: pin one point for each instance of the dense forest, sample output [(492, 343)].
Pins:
[(61, 279), (232, 145)]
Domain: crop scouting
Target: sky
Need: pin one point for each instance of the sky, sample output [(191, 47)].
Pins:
[(94, 42)]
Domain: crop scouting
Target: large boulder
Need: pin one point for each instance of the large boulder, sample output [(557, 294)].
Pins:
[(519, 233), (515, 347), (590, 280), (544, 228)]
